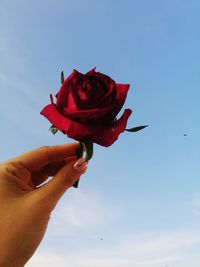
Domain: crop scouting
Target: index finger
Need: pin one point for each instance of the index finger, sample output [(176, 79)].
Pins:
[(38, 158)]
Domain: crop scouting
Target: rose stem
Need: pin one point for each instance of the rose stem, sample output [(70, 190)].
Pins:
[(79, 155)]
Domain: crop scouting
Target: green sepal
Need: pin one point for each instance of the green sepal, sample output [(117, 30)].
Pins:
[(136, 129), (88, 148), (53, 129), (62, 78)]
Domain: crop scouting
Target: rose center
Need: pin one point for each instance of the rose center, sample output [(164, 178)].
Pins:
[(92, 87)]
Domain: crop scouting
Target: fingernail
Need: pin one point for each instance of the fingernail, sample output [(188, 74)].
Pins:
[(80, 164), (83, 170)]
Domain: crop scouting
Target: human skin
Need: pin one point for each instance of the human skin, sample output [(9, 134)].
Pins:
[(25, 206)]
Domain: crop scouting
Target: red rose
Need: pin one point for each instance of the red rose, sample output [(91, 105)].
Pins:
[(87, 106)]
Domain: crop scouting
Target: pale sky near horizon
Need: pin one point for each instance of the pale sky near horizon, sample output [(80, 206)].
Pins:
[(139, 202)]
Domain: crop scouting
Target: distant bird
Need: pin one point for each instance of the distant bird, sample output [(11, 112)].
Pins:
[(185, 135), (101, 238)]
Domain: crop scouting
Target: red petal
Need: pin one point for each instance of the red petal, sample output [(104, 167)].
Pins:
[(62, 95), (93, 70), (99, 134), (109, 135), (89, 115), (121, 90), (55, 117)]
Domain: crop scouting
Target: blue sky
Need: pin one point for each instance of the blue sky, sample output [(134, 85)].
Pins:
[(139, 202)]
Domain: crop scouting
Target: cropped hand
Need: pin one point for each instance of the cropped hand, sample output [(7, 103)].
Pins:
[(25, 204)]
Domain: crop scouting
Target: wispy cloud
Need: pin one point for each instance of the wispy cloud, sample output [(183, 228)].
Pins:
[(80, 214), (22, 99), (148, 252), (84, 210)]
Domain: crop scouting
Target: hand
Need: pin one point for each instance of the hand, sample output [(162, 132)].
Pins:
[(25, 206)]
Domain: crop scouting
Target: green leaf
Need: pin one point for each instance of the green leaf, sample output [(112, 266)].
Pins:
[(62, 77), (53, 129), (136, 129)]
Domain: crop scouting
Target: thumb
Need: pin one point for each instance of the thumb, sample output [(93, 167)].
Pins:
[(64, 179)]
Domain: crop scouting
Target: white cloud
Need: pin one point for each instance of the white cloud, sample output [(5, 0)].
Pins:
[(151, 251), (83, 210), (78, 217)]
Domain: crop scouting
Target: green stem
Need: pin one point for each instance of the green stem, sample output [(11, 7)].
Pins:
[(86, 147), (80, 151)]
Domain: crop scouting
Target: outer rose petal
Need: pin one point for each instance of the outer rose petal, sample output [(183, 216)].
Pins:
[(62, 95), (102, 135), (107, 136), (94, 116), (93, 70), (121, 90)]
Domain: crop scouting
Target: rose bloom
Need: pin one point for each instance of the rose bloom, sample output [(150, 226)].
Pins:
[(86, 108)]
